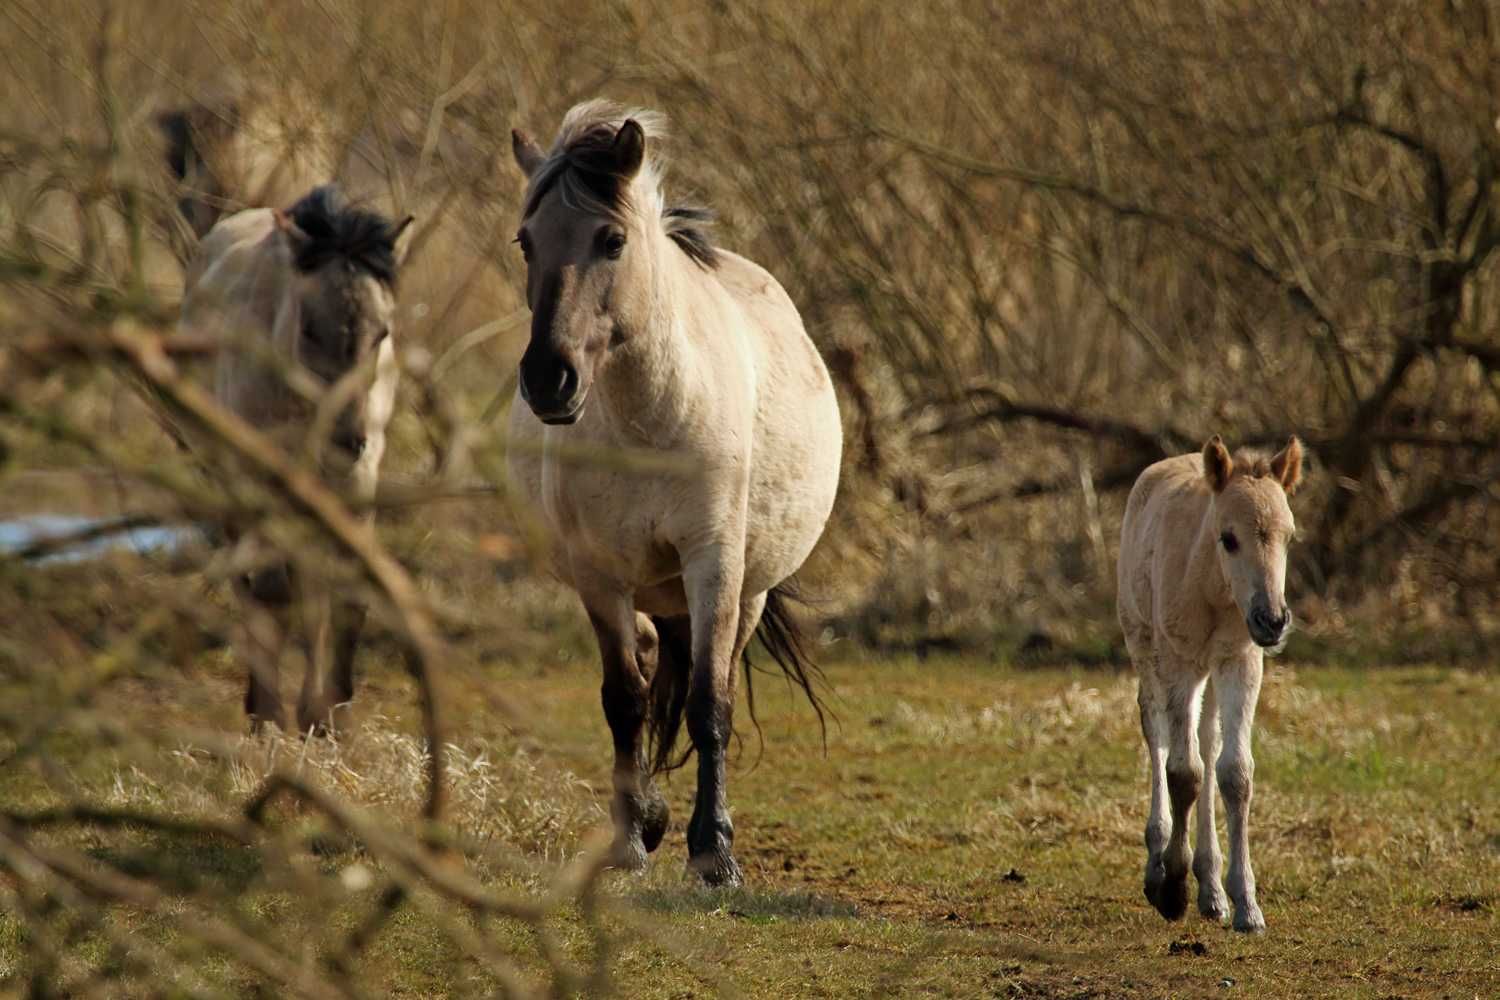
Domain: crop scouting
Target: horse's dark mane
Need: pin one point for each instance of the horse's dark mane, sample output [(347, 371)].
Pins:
[(574, 163), (688, 226), (336, 229)]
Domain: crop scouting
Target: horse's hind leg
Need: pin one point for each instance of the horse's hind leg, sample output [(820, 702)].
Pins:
[(628, 646), (1206, 857)]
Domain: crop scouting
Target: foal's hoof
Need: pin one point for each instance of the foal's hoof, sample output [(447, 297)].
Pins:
[(1169, 896), (1249, 920), (1212, 903), (717, 869), (654, 819)]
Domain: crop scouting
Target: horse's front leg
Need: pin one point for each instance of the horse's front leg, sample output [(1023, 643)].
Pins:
[(628, 646), (1238, 684), (713, 580), (260, 635), (328, 683)]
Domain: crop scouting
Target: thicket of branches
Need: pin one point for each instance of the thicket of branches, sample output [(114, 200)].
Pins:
[(1040, 247)]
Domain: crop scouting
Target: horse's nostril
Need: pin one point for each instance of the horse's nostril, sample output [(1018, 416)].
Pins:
[(567, 381)]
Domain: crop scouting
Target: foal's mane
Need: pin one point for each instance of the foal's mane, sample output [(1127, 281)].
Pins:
[(336, 229), (1252, 464), (589, 129)]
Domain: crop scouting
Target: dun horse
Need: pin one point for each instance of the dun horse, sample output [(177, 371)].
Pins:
[(646, 337), (310, 291), (1201, 597)]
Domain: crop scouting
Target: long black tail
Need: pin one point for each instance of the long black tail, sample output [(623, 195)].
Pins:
[(784, 638)]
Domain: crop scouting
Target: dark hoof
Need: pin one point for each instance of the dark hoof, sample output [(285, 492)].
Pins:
[(628, 854), (265, 726), (318, 720), (1169, 895), (654, 819), (1172, 899), (717, 869)]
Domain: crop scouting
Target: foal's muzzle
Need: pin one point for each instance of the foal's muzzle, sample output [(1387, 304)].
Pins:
[(1266, 629)]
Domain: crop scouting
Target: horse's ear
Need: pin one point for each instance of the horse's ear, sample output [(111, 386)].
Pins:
[(178, 133), (528, 154), (1287, 466), (295, 238), (401, 238), (1218, 467), (629, 150)]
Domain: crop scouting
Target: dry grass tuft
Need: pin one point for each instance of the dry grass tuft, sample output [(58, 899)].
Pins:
[(502, 795)]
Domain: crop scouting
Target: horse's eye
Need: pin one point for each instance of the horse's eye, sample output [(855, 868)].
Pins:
[(380, 335), (1230, 543), (525, 243), (614, 244)]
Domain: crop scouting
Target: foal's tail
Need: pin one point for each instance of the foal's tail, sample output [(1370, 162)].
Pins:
[(784, 638)]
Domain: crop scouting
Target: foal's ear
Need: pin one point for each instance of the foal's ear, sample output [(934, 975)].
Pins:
[(1287, 466), (401, 238), (528, 154), (1218, 467)]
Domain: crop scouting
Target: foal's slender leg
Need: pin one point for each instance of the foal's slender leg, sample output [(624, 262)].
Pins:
[(1238, 683), (713, 578), (1184, 692), (628, 648), (1206, 857)]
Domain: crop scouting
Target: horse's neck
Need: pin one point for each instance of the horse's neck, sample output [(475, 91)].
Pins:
[(654, 386), (257, 310)]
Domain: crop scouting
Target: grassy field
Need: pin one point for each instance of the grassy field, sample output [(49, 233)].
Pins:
[(972, 830)]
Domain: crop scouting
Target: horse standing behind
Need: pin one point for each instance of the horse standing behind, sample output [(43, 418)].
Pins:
[(645, 336), (1202, 578), (310, 291)]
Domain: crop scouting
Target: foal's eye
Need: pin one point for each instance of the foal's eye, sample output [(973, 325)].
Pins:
[(1230, 543), (613, 243)]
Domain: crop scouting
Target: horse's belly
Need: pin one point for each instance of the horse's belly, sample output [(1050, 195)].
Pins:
[(794, 484)]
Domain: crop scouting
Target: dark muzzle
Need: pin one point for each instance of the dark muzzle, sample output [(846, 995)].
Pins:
[(549, 384), (1268, 629), (349, 441)]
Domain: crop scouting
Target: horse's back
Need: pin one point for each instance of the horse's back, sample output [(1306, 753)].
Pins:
[(1162, 517), (798, 439)]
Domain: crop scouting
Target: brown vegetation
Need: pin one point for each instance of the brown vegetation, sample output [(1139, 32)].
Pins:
[(1040, 245)]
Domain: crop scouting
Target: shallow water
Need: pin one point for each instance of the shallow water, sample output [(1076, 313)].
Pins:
[(19, 533)]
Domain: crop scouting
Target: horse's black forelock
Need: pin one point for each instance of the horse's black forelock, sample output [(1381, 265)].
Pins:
[(337, 230), (580, 163)]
